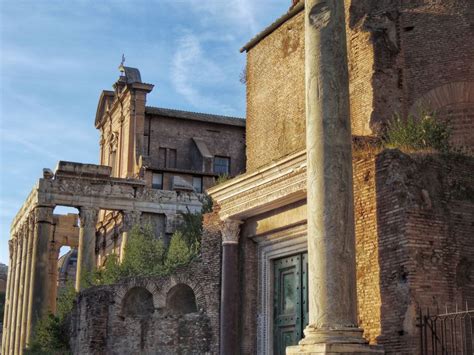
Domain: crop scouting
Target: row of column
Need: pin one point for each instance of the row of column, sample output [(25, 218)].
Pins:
[(33, 273), (28, 279)]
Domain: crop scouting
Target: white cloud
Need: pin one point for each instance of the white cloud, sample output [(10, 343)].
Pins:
[(191, 69)]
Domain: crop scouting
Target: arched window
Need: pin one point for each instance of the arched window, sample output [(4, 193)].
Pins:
[(138, 302), (181, 299)]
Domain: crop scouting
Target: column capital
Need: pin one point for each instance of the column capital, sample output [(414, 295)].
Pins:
[(231, 231), (31, 221), (129, 219), (43, 214), (88, 216)]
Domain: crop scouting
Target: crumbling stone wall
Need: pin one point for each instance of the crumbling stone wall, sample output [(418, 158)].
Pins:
[(414, 242), (140, 315)]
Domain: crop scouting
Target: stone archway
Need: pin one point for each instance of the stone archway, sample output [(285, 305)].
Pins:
[(137, 303), (453, 103), (181, 299)]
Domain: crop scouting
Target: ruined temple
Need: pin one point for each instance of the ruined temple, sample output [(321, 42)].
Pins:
[(319, 246)]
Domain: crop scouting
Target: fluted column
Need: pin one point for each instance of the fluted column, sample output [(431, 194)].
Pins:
[(229, 318), (330, 215), (26, 296), (39, 279), (16, 290), (9, 297), (87, 239), (129, 219)]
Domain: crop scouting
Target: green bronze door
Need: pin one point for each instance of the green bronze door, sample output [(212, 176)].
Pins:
[(290, 301)]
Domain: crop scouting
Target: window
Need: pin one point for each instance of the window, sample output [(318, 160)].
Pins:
[(221, 165), (167, 158), (197, 184), (157, 182)]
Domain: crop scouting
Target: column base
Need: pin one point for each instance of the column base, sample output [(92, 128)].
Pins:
[(334, 349), (344, 341)]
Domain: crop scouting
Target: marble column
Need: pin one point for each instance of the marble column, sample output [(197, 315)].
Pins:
[(16, 289), (39, 279), (87, 239), (26, 297), (331, 239), (229, 317), (9, 296), (129, 219), (54, 248)]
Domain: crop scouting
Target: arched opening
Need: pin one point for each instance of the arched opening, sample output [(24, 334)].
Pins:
[(138, 302), (181, 299)]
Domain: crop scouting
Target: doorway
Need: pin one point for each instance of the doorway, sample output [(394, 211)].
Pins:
[(290, 301)]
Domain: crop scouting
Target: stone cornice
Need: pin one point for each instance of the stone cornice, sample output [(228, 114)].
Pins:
[(270, 187)]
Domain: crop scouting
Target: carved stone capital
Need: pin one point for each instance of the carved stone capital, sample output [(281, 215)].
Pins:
[(11, 247), (43, 214), (231, 231), (129, 219), (88, 216)]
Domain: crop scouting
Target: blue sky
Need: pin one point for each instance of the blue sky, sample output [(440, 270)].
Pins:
[(57, 56)]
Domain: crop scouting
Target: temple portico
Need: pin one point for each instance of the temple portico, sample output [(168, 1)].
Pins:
[(37, 235)]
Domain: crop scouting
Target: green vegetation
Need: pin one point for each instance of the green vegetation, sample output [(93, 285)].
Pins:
[(51, 332), (418, 133)]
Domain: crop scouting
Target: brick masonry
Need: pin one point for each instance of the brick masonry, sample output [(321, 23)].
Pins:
[(400, 54)]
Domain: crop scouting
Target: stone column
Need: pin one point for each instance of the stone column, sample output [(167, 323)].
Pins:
[(229, 318), (129, 219), (54, 248), (39, 279), (21, 292), (86, 251), (331, 240), (26, 297), (9, 297), (16, 289)]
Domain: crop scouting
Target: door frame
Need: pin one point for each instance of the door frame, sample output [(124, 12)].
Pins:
[(271, 246)]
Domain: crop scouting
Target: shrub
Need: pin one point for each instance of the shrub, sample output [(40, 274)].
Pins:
[(418, 133), (179, 252)]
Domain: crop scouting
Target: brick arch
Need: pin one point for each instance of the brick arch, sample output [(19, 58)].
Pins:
[(445, 95), (122, 289), (201, 300), (453, 103)]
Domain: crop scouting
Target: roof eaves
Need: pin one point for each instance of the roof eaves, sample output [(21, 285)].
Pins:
[(254, 41)]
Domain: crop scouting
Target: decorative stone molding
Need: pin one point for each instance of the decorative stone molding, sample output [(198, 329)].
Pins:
[(88, 216), (43, 214), (231, 231), (270, 187)]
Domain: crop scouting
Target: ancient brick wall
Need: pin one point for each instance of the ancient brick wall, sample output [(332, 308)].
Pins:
[(275, 95), (401, 55), (414, 242), (155, 315)]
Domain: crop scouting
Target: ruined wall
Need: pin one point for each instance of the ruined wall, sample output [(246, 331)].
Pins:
[(401, 55), (155, 315), (414, 247)]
